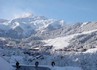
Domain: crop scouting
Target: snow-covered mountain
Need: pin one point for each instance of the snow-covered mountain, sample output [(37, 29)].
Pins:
[(36, 38), (50, 31), (27, 26)]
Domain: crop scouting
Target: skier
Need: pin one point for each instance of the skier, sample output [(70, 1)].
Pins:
[(17, 65), (53, 63), (36, 64)]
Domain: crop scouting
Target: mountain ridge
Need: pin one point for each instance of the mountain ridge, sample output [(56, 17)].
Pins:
[(30, 25)]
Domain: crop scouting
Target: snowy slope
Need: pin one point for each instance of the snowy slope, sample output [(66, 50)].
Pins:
[(61, 42), (5, 65)]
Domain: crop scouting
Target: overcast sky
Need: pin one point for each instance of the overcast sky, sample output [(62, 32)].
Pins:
[(68, 10)]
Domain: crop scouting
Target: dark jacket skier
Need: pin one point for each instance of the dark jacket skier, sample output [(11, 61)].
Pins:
[(36, 64), (53, 63), (17, 65)]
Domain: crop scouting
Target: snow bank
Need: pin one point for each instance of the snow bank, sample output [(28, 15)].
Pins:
[(5, 65)]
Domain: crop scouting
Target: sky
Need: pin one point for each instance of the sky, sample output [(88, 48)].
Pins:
[(68, 10)]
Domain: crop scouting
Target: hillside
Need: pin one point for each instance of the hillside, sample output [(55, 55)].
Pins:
[(37, 38)]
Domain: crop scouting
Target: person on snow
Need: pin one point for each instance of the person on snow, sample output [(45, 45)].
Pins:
[(53, 63), (17, 65), (36, 64)]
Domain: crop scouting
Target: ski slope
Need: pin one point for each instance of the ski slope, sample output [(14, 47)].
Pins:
[(61, 42)]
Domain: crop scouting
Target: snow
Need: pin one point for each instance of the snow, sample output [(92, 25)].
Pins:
[(5, 65), (29, 24), (87, 32), (15, 25), (85, 23), (57, 67), (13, 59), (41, 24), (94, 50), (61, 42), (66, 68), (1, 38), (62, 22), (35, 48), (62, 68)]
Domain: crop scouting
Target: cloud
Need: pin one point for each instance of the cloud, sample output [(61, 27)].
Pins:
[(23, 15)]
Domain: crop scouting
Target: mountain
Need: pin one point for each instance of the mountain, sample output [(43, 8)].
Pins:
[(75, 36), (35, 38), (38, 30), (82, 35), (86, 39), (26, 26)]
